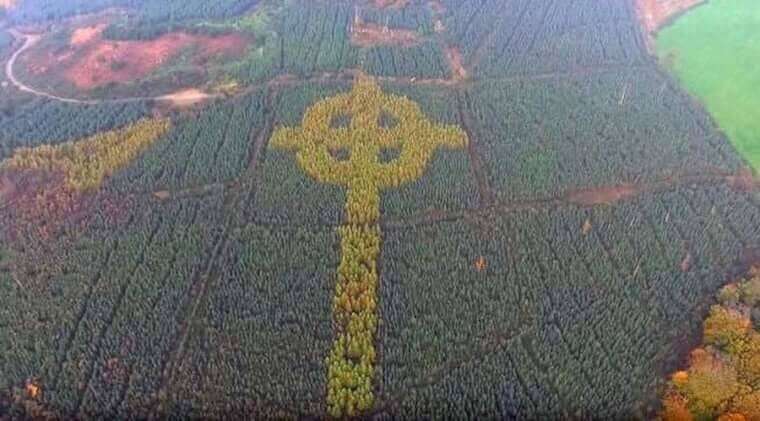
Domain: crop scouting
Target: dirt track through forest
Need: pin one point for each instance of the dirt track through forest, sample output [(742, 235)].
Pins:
[(583, 197)]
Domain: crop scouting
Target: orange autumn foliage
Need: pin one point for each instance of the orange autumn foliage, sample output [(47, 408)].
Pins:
[(674, 409), (747, 405), (33, 390), (732, 417), (723, 378), (680, 377), (726, 329), (480, 264)]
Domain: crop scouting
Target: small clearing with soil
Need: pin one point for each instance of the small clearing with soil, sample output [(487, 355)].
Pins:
[(84, 35), (395, 4), (455, 62), (604, 195), (370, 34), (186, 97)]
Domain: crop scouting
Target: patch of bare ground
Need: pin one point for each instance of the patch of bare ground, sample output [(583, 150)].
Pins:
[(394, 4), (7, 4), (369, 34), (186, 98), (656, 13), (86, 34), (90, 61), (586, 197), (454, 57), (744, 180), (603, 195)]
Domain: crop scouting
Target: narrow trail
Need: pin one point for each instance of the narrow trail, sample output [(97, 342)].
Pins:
[(486, 193), (582, 197)]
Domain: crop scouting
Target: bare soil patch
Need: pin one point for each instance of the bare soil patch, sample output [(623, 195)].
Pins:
[(603, 195), (186, 97), (89, 61), (396, 4), (370, 34), (456, 64), (84, 35), (744, 181), (656, 13), (7, 3)]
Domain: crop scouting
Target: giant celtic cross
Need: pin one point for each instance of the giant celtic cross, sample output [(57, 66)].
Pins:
[(350, 156)]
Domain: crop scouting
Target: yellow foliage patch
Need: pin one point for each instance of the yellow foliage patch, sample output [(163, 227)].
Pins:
[(363, 174), (710, 381), (319, 146), (747, 405), (726, 329), (351, 363), (723, 379), (86, 163)]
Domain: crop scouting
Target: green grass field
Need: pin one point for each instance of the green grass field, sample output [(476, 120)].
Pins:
[(716, 54)]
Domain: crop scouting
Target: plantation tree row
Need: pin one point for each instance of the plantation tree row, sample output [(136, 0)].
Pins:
[(211, 147), (111, 306), (364, 124), (5, 39), (30, 11), (426, 60), (63, 122), (538, 138), (85, 163), (267, 327), (314, 38), (310, 202), (555, 322), (722, 375), (416, 15), (554, 318), (543, 36), (279, 180)]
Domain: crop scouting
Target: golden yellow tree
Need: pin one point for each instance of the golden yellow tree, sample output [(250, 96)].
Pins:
[(87, 162), (351, 361)]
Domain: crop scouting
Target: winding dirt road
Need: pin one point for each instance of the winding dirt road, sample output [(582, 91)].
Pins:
[(187, 96)]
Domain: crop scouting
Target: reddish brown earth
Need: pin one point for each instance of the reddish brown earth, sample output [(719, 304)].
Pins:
[(85, 34), (744, 180), (90, 61), (655, 13), (604, 195), (369, 34), (456, 64), (397, 4)]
